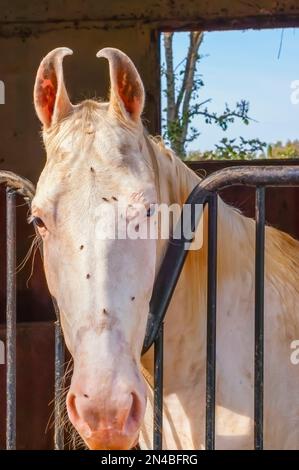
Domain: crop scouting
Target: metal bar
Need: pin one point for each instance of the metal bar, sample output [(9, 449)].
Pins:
[(158, 391), (280, 176), (259, 318), (173, 263), (11, 304), (175, 255), (211, 324), (21, 185), (59, 373), (170, 269)]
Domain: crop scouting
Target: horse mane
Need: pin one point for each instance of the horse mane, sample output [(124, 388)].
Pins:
[(236, 246)]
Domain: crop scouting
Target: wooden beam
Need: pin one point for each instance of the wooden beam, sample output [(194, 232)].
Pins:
[(161, 14)]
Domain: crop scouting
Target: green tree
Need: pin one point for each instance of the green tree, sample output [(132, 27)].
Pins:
[(232, 149), (183, 85), (278, 150)]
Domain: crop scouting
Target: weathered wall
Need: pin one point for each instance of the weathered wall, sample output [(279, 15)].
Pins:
[(28, 30), (183, 14), (35, 386), (86, 76)]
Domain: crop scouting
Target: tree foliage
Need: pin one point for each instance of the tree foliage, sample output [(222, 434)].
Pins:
[(183, 85), (242, 149), (232, 149), (288, 150)]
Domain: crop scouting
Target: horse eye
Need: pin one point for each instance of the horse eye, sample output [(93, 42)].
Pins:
[(38, 222), (150, 211)]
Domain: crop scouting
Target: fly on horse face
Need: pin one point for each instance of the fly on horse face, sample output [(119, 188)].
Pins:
[(99, 157)]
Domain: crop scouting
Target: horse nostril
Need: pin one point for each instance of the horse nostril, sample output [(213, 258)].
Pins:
[(71, 407), (134, 414), (99, 416)]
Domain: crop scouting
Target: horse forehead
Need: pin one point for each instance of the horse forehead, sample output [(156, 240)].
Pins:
[(96, 158), (91, 183), (102, 161)]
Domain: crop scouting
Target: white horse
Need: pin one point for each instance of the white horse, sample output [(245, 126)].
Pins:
[(97, 156)]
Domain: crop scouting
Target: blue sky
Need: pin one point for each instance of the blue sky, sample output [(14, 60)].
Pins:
[(245, 65)]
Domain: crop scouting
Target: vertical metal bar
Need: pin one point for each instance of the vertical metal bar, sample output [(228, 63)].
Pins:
[(211, 324), (259, 318), (59, 373), (11, 304), (158, 391)]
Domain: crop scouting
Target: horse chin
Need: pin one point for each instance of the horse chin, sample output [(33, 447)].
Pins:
[(115, 442)]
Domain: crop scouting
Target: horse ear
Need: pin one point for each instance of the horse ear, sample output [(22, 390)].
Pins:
[(127, 92), (51, 100)]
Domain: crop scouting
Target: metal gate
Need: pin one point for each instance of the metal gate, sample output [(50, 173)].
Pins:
[(205, 193)]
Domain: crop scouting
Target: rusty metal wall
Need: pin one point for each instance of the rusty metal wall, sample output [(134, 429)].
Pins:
[(35, 386)]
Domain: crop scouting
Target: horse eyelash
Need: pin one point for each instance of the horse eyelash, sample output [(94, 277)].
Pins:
[(30, 219)]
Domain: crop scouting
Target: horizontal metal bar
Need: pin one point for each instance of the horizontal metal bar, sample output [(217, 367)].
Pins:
[(211, 324), (259, 318), (280, 176), (11, 314)]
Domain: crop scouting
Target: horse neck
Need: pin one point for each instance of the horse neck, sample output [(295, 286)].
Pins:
[(235, 231), (185, 330)]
